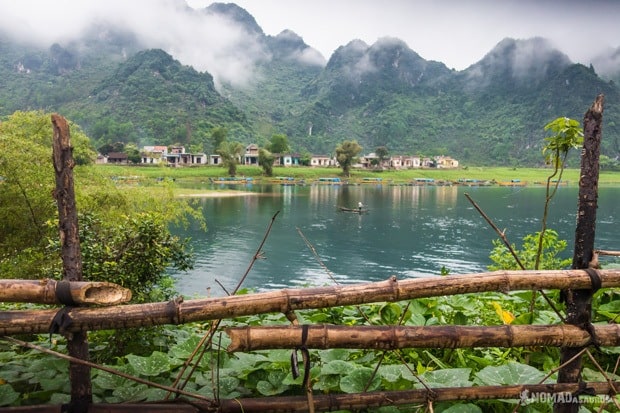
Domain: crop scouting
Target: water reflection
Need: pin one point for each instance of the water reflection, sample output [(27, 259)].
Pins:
[(411, 231)]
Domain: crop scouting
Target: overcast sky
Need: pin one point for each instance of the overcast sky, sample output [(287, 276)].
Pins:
[(456, 32)]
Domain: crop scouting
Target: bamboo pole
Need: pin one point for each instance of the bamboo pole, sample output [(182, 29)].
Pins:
[(179, 311), (45, 292), (394, 337), (64, 194), (332, 402), (579, 301)]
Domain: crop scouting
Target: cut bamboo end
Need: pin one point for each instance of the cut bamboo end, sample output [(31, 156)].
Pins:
[(78, 292)]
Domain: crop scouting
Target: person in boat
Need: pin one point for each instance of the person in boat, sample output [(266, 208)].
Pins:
[(360, 206)]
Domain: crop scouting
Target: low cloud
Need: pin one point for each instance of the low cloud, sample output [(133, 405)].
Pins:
[(206, 42)]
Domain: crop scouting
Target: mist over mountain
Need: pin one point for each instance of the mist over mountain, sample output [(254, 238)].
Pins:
[(216, 67)]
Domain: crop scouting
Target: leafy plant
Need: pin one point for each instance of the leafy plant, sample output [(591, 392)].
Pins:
[(546, 258), (567, 135)]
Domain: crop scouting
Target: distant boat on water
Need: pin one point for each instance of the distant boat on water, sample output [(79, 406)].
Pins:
[(512, 182), (283, 180), (329, 181), (354, 210), (231, 180)]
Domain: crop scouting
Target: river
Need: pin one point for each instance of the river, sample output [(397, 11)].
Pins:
[(409, 231)]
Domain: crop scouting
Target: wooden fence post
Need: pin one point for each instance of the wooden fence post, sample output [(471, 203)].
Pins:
[(579, 302), (77, 343)]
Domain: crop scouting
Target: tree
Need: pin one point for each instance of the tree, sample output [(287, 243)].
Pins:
[(26, 203), (134, 252), (382, 153), (306, 158), (218, 135), (265, 160), (346, 155), (279, 144), (115, 226), (133, 153), (111, 147), (231, 154)]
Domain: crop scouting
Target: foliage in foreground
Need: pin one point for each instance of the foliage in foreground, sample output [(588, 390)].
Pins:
[(29, 377)]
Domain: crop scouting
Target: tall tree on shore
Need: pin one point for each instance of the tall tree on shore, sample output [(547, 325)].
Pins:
[(346, 155), (382, 154), (279, 144), (218, 135), (231, 154), (265, 160)]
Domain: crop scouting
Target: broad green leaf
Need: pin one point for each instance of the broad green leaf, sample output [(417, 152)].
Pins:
[(228, 385), (152, 365), (108, 381), (51, 365), (327, 383), (358, 379), (153, 394), (135, 392), (338, 367), (184, 349), (55, 384), (8, 396), (273, 385), (60, 398), (245, 363), (392, 373), (416, 320), (508, 374), (463, 408), (390, 313), (613, 306), (458, 377)]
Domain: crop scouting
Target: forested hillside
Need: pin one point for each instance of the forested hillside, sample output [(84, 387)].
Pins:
[(383, 94)]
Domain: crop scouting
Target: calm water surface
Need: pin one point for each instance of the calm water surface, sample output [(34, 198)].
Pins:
[(410, 231)]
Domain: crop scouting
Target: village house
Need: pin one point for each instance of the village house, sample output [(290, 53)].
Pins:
[(322, 160), (371, 161), (153, 155), (118, 158), (288, 159), (178, 157), (251, 154), (446, 162), (215, 159)]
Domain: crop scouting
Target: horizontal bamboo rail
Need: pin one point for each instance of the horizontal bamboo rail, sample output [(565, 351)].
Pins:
[(352, 401), (286, 300), (393, 337), (54, 292), (403, 398)]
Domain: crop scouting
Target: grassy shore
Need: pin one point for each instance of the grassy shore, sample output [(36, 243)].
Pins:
[(309, 174)]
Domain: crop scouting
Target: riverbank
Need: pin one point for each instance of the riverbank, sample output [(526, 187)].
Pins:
[(207, 174)]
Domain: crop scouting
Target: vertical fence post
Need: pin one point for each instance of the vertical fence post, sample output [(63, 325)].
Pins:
[(579, 302), (77, 344)]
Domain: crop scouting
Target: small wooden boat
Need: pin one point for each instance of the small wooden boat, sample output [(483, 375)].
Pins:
[(283, 180), (512, 182), (329, 181), (354, 210), (230, 180), (376, 181)]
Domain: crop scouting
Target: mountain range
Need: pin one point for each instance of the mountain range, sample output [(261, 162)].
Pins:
[(119, 89)]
